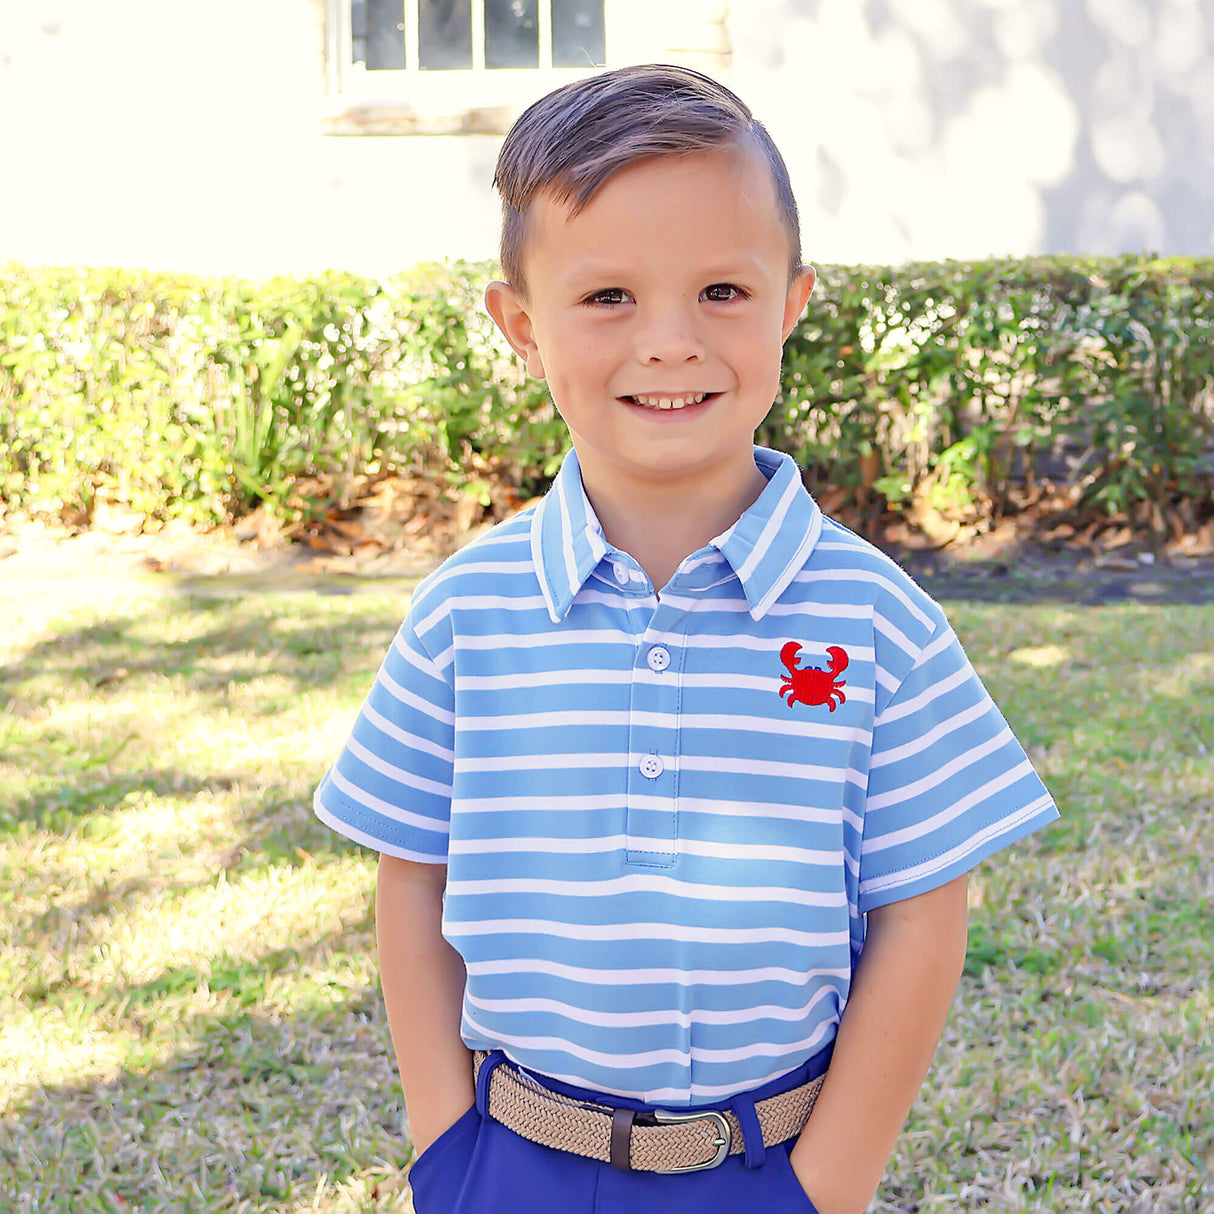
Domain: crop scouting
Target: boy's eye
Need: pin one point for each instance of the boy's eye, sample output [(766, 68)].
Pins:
[(612, 295), (723, 292)]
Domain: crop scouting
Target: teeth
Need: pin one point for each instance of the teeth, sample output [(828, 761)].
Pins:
[(670, 402)]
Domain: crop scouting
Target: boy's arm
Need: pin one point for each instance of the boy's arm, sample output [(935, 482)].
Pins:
[(423, 980), (905, 981)]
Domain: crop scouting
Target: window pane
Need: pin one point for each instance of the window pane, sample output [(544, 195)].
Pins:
[(578, 38), (512, 33), (444, 33), (381, 24)]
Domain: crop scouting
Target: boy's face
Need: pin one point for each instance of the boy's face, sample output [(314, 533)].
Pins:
[(658, 316)]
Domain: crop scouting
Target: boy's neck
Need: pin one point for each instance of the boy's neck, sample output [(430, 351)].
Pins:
[(661, 523)]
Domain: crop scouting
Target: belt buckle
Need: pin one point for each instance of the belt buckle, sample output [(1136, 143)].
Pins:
[(722, 1141)]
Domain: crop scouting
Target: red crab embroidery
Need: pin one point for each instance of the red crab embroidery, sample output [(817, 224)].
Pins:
[(811, 685)]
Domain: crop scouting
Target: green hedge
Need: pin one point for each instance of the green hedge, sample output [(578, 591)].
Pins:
[(966, 379), (183, 397), (196, 398)]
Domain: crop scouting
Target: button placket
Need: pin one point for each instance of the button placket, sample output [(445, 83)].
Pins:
[(652, 834)]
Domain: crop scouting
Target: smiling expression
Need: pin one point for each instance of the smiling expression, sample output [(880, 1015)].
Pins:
[(658, 314)]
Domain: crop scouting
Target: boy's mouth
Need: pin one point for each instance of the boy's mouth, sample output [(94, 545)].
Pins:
[(674, 400)]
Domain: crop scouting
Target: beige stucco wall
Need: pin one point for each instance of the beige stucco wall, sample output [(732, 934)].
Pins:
[(164, 134)]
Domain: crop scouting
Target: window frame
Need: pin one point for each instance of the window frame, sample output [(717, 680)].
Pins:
[(448, 101)]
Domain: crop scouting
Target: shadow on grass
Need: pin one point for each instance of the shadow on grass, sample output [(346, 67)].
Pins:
[(275, 828), (300, 640), (294, 839), (215, 1108), (252, 660), (63, 808), (298, 637), (252, 1109)]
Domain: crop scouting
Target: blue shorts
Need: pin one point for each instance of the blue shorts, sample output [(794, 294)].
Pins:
[(478, 1166)]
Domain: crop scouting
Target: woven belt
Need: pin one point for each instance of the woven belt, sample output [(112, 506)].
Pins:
[(671, 1142)]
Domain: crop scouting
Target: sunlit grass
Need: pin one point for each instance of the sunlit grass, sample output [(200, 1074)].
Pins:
[(189, 1017)]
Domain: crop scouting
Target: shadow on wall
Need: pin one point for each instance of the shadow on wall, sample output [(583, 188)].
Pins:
[(1142, 177), (949, 127)]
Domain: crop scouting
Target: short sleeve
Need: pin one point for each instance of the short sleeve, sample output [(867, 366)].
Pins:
[(390, 787), (949, 784)]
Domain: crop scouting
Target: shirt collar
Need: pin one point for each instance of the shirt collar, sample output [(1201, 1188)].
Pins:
[(566, 540), (766, 547)]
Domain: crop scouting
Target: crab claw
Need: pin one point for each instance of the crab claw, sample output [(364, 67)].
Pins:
[(838, 660), (788, 655)]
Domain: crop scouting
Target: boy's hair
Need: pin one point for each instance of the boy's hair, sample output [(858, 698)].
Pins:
[(570, 142)]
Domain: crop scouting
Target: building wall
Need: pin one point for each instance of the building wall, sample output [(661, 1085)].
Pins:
[(968, 127), (162, 134)]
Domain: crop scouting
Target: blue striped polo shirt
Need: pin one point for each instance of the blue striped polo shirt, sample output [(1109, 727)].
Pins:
[(664, 818)]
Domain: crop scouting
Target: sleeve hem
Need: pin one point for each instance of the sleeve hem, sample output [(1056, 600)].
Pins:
[(931, 874), (353, 833)]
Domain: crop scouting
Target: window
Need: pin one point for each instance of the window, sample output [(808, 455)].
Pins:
[(447, 35), (451, 65)]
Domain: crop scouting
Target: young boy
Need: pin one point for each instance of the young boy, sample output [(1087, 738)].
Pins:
[(675, 782)]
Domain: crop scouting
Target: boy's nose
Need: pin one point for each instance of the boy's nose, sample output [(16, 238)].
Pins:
[(670, 339)]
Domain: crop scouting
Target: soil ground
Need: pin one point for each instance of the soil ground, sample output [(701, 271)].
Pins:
[(1001, 566), (1012, 569)]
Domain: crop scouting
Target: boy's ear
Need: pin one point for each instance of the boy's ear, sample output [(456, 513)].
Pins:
[(799, 291), (510, 314)]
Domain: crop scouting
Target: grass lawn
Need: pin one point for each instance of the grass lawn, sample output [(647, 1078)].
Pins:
[(189, 1017)]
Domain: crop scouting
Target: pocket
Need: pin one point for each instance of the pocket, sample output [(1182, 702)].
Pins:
[(795, 1200), (437, 1174)]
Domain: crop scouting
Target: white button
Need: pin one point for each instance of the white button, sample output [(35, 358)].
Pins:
[(658, 657), (652, 767), (621, 574)]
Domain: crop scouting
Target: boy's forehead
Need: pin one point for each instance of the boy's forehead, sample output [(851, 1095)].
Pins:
[(742, 160), (741, 176)]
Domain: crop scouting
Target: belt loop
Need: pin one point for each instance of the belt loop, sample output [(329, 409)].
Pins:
[(488, 1066), (621, 1138), (752, 1132)]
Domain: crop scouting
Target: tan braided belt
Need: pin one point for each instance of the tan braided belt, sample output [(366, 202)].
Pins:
[(672, 1142)]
